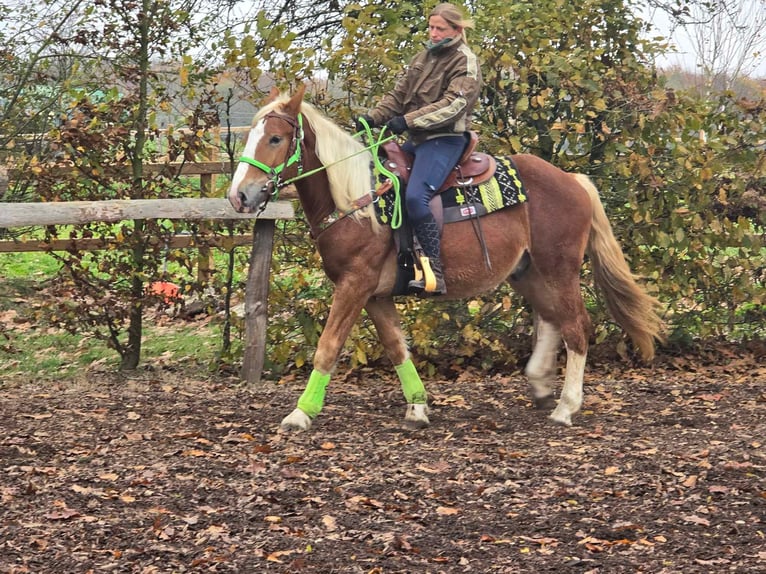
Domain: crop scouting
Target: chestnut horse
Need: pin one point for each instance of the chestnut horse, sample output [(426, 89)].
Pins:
[(563, 219)]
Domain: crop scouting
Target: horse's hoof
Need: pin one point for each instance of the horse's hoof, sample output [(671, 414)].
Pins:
[(561, 418), (545, 403), (296, 421), (417, 416)]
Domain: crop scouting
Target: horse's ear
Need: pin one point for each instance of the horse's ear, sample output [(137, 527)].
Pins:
[(273, 95), (294, 105)]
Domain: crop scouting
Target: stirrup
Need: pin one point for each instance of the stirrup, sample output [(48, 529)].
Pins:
[(428, 281)]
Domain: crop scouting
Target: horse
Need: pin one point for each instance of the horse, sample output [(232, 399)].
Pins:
[(546, 237)]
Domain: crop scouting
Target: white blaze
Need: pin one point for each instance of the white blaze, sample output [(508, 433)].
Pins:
[(255, 135)]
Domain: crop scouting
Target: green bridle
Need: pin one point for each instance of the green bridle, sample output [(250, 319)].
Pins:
[(275, 172)]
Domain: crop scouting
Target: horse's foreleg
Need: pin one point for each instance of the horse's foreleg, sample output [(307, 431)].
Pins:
[(414, 393), (541, 368), (385, 317), (345, 309), (309, 404)]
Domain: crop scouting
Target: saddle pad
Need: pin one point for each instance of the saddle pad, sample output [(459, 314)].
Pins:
[(505, 189)]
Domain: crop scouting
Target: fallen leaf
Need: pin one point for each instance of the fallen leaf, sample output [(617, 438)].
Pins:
[(717, 489), (329, 523), (275, 556), (456, 401), (436, 468), (238, 438), (690, 482), (82, 489), (447, 511), (694, 519), (542, 541), (194, 452), (734, 465), (63, 514)]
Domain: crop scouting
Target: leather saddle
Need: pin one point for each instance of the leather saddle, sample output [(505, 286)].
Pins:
[(473, 167)]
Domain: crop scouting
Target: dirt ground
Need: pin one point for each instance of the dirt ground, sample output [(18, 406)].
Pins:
[(664, 471)]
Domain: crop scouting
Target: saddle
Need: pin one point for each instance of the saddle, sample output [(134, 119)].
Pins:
[(473, 167)]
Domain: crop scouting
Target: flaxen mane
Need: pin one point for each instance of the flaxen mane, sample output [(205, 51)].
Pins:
[(348, 164)]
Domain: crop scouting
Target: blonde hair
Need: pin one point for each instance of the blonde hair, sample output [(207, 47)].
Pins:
[(453, 15)]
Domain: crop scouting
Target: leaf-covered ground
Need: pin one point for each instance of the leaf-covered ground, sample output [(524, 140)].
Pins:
[(664, 471)]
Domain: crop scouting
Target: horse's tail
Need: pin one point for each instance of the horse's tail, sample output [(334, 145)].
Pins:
[(633, 309)]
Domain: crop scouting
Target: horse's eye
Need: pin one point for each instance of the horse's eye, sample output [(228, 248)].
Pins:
[(275, 140)]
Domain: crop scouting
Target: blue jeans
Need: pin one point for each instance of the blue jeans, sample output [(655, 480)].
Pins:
[(434, 159)]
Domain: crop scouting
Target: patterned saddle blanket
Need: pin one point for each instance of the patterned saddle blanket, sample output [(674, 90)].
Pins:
[(504, 189)]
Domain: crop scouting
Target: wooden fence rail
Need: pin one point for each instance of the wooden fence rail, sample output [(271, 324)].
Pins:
[(77, 212)]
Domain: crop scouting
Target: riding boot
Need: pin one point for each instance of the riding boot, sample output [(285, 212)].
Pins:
[(431, 281)]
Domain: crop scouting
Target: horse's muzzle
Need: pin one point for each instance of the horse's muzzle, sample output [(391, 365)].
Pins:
[(250, 197)]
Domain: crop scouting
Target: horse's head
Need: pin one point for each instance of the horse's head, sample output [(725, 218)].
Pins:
[(272, 152)]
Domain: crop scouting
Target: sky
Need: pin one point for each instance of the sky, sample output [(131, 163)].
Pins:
[(684, 55)]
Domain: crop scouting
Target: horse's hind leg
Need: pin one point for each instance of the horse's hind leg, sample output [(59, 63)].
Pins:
[(385, 317), (571, 395), (561, 314), (541, 368), (575, 326)]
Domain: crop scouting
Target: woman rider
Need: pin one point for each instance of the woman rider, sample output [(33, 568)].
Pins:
[(433, 102)]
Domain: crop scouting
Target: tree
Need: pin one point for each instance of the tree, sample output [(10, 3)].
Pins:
[(729, 40), (726, 38), (132, 65)]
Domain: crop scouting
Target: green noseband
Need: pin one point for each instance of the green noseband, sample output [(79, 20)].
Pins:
[(275, 172)]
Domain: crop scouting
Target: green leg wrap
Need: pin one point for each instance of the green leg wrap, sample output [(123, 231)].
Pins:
[(312, 399), (412, 386)]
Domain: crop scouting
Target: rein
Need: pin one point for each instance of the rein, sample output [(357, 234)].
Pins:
[(278, 183)]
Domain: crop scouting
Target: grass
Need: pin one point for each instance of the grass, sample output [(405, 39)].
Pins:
[(30, 348), (58, 355), (26, 266)]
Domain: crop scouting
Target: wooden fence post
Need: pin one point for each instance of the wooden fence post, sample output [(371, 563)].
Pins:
[(204, 255), (256, 301)]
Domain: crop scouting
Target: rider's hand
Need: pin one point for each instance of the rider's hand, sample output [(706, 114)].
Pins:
[(360, 126), (397, 124)]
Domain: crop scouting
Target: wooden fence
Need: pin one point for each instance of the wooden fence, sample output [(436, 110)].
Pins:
[(13, 215)]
